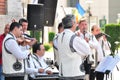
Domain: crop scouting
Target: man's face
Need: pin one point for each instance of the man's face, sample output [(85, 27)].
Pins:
[(96, 30), (24, 26), (83, 26), (19, 31), (7, 28), (61, 30), (41, 52)]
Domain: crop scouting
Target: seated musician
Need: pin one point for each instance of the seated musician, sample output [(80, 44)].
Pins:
[(36, 63)]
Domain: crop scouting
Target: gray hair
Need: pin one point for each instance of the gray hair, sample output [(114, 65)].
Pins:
[(68, 21)]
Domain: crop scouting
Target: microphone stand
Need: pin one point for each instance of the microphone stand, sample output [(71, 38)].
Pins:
[(117, 53), (108, 71)]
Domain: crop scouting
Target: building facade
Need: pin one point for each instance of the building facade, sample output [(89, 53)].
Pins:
[(100, 9)]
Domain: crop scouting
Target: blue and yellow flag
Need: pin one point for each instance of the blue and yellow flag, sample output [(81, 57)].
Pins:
[(78, 12), (80, 9)]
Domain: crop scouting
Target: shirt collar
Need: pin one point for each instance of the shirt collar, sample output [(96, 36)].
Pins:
[(13, 35)]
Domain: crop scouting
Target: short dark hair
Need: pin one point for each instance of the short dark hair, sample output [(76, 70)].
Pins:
[(60, 26), (68, 20), (36, 47), (93, 27), (13, 25), (22, 20)]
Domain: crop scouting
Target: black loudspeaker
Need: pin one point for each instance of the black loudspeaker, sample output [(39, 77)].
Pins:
[(49, 10), (35, 16)]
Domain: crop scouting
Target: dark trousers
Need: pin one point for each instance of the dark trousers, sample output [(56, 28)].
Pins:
[(87, 67), (99, 75), (92, 74), (14, 78)]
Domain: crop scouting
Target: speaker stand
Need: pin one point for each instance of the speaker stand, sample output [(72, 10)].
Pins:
[(42, 34)]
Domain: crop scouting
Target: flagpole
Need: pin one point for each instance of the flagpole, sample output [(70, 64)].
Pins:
[(88, 11), (63, 10), (89, 16)]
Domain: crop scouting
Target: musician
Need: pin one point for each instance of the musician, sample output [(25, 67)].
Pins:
[(24, 24), (105, 47), (102, 39), (13, 65), (55, 44), (25, 40), (36, 63), (84, 34), (72, 50)]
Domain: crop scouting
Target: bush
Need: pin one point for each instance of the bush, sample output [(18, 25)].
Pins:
[(51, 36), (35, 34), (114, 31), (47, 46)]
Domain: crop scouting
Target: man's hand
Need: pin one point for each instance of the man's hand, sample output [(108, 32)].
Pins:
[(49, 72), (87, 39), (41, 70)]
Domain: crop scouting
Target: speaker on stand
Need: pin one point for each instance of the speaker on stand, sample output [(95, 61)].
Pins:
[(49, 11), (35, 17)]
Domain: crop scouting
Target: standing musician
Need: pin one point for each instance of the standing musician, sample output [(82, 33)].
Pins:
[(84, 34), (72, 50), (95, 49), (105, 47), (13, 56), (24, 24), (26, 41), (55, 45)]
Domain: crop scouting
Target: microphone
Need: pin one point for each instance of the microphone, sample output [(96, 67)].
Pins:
[(84, 32), (101, 34), (106, 35)]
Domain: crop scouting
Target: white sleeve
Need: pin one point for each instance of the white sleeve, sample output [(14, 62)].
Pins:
[(13, 47), (81, 46), (31, 70), (30, 66), (93, 42)]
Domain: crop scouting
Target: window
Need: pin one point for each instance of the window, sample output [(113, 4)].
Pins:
[(3, 6), (72, 3)]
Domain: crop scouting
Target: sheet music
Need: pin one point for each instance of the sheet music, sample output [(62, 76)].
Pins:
[(108, 63), (55, 70)]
